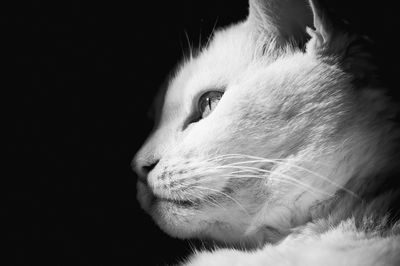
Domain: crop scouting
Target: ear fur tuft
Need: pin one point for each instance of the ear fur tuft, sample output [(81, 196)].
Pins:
[(320, 22), (333, 44), (284, 20)]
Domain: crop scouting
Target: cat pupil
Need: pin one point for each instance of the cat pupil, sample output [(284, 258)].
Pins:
[(208, 101)]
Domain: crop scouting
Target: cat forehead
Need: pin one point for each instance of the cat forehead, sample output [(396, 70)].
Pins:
[(232, 56), (227, 54)]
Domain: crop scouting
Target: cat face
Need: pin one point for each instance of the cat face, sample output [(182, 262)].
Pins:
[(246, 129)]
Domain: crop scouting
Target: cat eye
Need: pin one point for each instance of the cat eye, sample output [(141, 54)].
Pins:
[(208, 101)]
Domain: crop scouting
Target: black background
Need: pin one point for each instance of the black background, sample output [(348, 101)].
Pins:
[(80, 77)]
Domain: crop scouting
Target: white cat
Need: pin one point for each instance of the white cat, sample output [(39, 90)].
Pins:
[(273, 138)]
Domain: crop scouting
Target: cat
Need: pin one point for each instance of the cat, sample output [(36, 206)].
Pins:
[(276, 138)]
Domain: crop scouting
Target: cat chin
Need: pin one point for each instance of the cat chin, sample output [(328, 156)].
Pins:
[(186, 224), (182, 221), (189, 221), (174, 218)]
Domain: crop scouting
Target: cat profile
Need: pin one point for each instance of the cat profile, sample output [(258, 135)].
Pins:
[(275, 137)]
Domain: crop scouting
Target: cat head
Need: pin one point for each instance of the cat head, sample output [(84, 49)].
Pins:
[(264, 123)]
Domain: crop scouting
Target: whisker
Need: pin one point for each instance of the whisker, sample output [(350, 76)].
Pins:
[(199, 44), (276, 173), (314, 191), (194, 195), (212, 33), (189, 45), (301, 168), (226, 195), (284, 162), (235, 155), (190, 181)]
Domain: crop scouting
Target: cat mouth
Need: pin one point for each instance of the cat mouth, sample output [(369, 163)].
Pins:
[(157, 199), (180, 203)]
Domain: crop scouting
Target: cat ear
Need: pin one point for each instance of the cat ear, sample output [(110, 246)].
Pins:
[(323, 31), (331, 39), (282, 19)]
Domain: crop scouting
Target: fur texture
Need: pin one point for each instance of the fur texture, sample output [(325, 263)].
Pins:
[(295, 159)]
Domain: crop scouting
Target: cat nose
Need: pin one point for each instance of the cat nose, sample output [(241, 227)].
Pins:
[(143, 168), (150, 166)]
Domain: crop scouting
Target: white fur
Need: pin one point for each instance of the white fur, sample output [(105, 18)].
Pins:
[(339, 246), (298, 110)]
